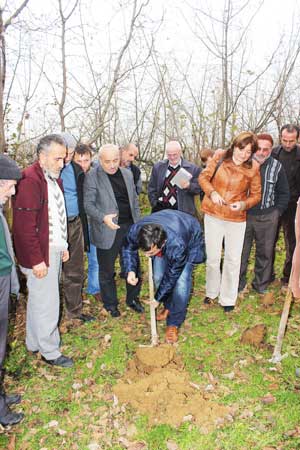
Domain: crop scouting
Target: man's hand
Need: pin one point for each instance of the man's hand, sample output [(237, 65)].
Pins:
[(108, 220), (153, 302), (184, 184), (40, 270), (132, 279), (65, 255), (217, 199)]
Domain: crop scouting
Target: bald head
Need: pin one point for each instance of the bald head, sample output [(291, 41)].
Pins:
[(109, 157), (173, 152)]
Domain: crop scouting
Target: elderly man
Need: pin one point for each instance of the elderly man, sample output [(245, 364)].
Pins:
[(72, 176), (175, 242), (111, 203), (262, 219), (9, 173), (288, 153), (163, 193), (40, 236), (83, 157), (129, 153)]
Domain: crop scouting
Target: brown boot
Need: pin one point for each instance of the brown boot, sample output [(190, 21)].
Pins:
[(98, 297), (162, 315), (171, 334)]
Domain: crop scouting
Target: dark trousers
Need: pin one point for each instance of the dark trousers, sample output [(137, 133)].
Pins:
[(73, 270), (107, 259), (287, 221), (4, 299), (262, 229)]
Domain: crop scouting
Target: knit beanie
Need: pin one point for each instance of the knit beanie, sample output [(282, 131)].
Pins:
[(9, 169), (69, 139)]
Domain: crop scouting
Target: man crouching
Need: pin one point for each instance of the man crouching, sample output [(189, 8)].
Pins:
[(174, 241)]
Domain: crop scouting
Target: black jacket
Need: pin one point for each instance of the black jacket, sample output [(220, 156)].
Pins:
[(293, 172), (79, 177)]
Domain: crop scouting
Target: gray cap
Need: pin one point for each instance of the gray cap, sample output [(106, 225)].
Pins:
[(9, 170), (69, 139)]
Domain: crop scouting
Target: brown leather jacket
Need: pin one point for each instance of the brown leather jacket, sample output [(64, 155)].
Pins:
[(234, 183)]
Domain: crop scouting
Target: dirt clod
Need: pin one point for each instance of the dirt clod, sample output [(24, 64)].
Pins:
[(268, 299), (156, 384), (254, 335)]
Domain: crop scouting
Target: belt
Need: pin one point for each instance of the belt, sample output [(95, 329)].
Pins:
[(72, 219)]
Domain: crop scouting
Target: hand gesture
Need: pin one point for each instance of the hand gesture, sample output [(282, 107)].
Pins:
[(217, 199), (40, 270), (132, 279), (108, 220)]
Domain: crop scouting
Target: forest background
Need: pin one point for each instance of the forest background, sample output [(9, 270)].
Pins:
[(146, 71)]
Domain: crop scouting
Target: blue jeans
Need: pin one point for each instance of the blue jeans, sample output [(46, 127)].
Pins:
[(93, 286), (178, 300)]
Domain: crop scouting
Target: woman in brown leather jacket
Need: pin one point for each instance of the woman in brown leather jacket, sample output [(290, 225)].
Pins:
[(231, 183)]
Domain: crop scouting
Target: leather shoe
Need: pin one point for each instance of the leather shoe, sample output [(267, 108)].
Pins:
[(162, 315), (12, 399), (85, 318), (114, 312), (208, 301), (61, 361), (11, 418), (136, 306), (228, 309), (98, 297), (171, 334)]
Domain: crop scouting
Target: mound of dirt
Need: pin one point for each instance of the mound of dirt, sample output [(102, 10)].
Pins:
[(157, 385), (268, 299), (254, 335)]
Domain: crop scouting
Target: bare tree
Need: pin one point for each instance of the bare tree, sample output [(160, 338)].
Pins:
[(4, 24)]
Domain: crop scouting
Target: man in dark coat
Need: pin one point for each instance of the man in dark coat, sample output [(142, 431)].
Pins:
[(175, 242), (9, 173), (163, 192)]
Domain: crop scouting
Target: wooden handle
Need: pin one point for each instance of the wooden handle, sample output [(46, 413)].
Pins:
[(154, 335)]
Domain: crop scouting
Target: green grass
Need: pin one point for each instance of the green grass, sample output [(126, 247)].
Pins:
[(81, 403)]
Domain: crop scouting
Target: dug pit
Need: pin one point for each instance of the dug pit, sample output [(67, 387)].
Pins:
[(156, 384)]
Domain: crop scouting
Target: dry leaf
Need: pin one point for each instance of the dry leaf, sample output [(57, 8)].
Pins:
[(12, 443), (268, 399), (171, 445)]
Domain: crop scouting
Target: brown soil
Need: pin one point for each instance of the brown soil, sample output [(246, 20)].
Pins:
[(157, 385), (254, 336), (268, 299)]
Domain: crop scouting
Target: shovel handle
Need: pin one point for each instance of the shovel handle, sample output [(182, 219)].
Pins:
[(154, 335)]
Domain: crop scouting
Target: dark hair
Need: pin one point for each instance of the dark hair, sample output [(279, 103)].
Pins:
[(151, 234), (83, 149), (45, 143), (290, 128), (265, 137), (241, 141)]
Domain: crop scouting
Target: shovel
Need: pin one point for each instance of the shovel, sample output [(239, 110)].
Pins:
[(277, 356), (154, 335)]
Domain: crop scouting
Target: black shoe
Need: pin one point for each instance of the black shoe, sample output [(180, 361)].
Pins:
[(85, 318), (114, 312), (208, 301), (136, 306), (12, 399), (11, 418), (228, 309), (61, 361)]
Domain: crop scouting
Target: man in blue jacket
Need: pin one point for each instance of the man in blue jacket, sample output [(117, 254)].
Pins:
[(175, 242)]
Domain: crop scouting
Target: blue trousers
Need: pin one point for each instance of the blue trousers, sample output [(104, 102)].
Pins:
[(178, 300), (93, 286)]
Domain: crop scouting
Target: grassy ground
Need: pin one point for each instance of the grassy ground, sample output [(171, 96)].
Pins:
[(75, 409)]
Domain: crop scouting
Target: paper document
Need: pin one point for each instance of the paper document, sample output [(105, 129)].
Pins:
[(181, 175)]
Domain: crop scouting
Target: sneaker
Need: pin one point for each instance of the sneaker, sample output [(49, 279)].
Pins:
[(11, 418), (171, 334), (61, 361), (208, 301), (113, 312), (228, 309)]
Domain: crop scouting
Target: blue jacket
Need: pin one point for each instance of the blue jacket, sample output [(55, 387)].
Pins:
[(184, 244)]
